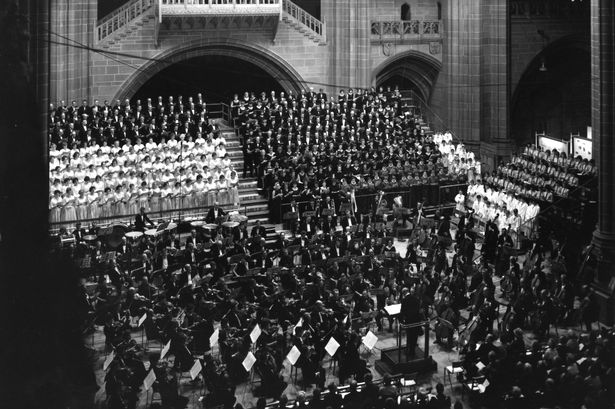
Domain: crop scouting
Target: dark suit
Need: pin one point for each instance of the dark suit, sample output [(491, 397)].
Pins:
[(410, 314), (259, 231), (79, 233), (193, 240), (213, 214), (140, 221)]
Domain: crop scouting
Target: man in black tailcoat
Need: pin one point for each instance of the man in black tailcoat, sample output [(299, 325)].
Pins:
[(411, 314)]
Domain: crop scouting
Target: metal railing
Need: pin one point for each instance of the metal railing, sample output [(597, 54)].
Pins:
[(305, 18), (121, 17), (431, 195), (219, 110), (401, 29), (192, 213)]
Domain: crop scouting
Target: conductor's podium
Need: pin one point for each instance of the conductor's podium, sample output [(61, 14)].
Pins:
[(395, 360)]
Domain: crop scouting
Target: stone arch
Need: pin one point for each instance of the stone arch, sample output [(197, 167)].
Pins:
[(419, 68), (557, 100), (568, 42), (281, 70)]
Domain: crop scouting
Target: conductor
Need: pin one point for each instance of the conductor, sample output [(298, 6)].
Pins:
[(411, 314)]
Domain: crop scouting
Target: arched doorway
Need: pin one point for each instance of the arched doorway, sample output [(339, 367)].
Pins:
[(411, 70), (222, 67), (217, 77), (554, 92)]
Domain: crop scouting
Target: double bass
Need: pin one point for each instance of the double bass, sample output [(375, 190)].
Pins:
[(466, 335)]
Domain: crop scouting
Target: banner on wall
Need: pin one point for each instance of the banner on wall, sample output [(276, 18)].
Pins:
[(548, 143), (582, 147), (589, 132)]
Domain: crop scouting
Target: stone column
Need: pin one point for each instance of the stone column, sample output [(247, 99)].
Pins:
[(603, 120), (461, 69), (494, 81), (72, 26), (348, 41)]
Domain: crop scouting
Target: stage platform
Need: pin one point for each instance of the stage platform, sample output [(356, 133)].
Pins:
[(394, 361)]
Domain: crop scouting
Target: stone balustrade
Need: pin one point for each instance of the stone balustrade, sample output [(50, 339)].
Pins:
[(406, 30)]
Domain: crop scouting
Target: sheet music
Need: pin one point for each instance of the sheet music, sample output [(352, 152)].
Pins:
[(293, 355), (393, 309), (369, 340), (248, 362), (213, 339), (165, 350), (149, 380), (108, 360), (196, 369), (256, 332), (332, 346)]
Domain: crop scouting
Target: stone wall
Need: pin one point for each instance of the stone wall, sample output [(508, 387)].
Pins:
[(72, 27), (301, 53)]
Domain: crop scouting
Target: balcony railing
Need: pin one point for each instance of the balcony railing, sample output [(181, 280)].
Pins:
[(219, 7), (406, 30), (304, 18), (121, 17)]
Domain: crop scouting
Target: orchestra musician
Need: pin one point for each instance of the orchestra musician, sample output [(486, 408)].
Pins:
[(215, 213), (141, 219)]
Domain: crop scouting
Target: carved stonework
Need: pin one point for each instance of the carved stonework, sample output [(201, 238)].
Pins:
[(435, 47), (388, 49)]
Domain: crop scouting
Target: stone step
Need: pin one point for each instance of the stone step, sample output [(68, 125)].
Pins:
[(248, 196), (258, 214), (247, 184), (255, 207)]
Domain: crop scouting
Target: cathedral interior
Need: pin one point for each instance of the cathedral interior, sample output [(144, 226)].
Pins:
[(307, 204)]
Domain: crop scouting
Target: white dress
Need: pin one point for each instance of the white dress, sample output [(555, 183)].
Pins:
[(69, 209)]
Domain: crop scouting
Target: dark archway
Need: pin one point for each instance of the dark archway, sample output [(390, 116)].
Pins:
[(220, 51), (411, 70), (554, 93), (217, 77)]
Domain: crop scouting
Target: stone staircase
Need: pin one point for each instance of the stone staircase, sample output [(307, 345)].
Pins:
[(302, 21), (123, 21), (251, 198), (303, 29)]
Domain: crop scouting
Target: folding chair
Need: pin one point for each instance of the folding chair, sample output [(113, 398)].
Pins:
[(453, 369), (409, 381), (473, 387)]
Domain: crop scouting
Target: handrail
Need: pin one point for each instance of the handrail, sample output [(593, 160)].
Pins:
[(174, 214), (305, 18), (407, 192), (224, 111), (120, 18), (388, 29)]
